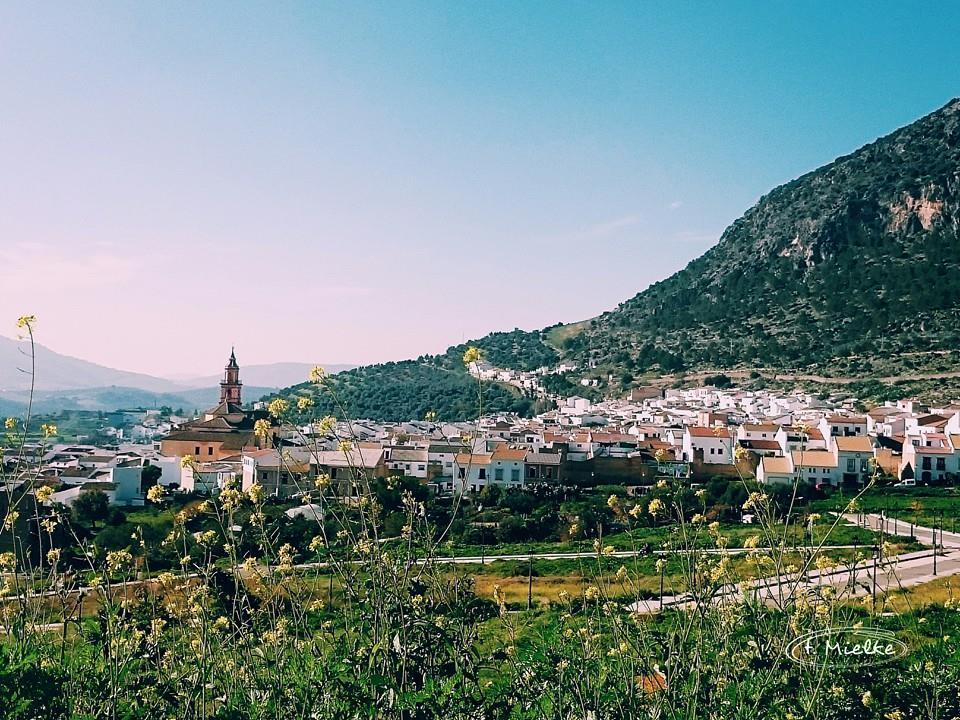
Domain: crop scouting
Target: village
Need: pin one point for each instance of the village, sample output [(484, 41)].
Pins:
[(688, 434)]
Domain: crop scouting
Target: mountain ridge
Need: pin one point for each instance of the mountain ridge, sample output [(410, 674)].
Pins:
[(857, 260)]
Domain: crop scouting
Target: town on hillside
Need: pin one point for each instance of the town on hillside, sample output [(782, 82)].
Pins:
[(687, 434)]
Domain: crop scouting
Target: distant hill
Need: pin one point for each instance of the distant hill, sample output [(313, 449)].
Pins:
[(855, 265), (273, 375), (62, 372)]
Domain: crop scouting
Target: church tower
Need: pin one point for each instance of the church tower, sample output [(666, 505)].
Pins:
[(230, 385)]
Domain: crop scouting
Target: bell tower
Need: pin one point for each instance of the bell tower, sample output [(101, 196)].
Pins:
[(230, 385)]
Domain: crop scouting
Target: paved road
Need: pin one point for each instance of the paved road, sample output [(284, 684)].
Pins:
[(866, 578)]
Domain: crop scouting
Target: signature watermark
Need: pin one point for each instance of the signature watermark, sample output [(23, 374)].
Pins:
[(846, 646)]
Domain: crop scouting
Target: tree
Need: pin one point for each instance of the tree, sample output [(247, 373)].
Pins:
[(150, 476), (91, 507)]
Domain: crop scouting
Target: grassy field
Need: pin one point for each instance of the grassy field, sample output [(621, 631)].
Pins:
[(920, 505)]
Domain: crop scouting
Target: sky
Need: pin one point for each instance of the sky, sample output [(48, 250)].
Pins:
[(360, 182)]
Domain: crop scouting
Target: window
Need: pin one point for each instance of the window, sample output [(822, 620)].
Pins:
[(461, 473), (210, 450), (515, 475), (498, 474), (196, 450), (483, 474), (926, 463), (941, 464), (851, 465)]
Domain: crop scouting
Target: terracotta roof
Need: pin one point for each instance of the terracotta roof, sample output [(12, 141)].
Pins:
[(760, 444), (465, 459), (704, 432), (777, 465), (857, 443), (509, 454), (814, 458)]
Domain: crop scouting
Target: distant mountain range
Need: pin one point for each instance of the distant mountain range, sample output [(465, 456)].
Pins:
[(69, 383), (852, 268)]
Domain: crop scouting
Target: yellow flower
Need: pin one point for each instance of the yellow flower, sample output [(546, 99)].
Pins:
[(613, 502), (574, 529), (53, 556), (8, 561), (621, 573), (48, 429), (304, 403), (186, 461), (26, 322), (11, 519), (894, 715), (208, 537), (659, 455), (655, 507), (698, 519), (609, 550), (278, 407), (261, 428), (344, 446), (866, 698), (471, 356), (10, 423), (321, 481), (44, 493), (118, 560), (318, 375), (325, 425), (155, 493), (592, 593), (256, 493)]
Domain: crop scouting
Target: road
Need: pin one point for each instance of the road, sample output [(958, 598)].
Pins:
[(900, 572)]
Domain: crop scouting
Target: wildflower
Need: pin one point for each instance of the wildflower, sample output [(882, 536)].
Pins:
[(574, 529), (621, 573), (118, 560), (836, 692), (155, 493), (655, 507), (563, 596), (660, 565), (756, 500), (636, 511), (11, 519), (321, 481), (186, 461), (325, 425), (471, 356), (10, 423), (894, 715), (752, 542), (344, 446), (739, 453), (318, 375), (43, 493), (278, 407), (208, 537), (659, 455), (256, 493), (866, 698), (53, 556), (8, 561), (714, 527), (701, 494), (49, 524), (498, 597), (592, 593), (317, 544), (304, 403), (613, 502), (48, 430), (609, 550)]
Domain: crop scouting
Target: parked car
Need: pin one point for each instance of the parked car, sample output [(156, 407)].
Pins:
[(906, 483)]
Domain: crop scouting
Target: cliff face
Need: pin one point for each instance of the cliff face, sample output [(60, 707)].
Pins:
[(859, 256)]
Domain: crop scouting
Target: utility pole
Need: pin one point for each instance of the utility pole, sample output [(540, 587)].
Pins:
[(876, 554), (661, 586), (529, 582)]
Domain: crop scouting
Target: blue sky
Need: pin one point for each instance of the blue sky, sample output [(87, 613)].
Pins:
[(356, 182)]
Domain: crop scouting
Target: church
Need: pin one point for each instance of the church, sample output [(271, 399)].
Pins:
[(222, 432)]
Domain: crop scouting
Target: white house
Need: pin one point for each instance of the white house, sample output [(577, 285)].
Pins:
[(713, 445)]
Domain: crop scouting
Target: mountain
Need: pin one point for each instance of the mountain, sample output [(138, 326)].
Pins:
[(62, 372), (851, 267), (858, 258), (271, 375)]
